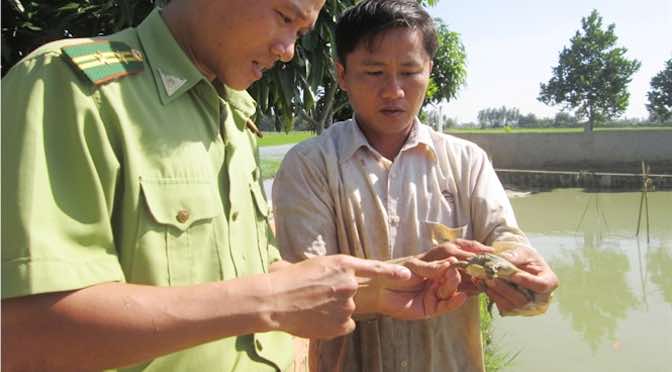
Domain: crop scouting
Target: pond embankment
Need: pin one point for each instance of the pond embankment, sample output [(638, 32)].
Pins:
[(598, 160)]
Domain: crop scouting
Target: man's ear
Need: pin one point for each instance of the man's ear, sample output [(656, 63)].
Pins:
[(340, 76)]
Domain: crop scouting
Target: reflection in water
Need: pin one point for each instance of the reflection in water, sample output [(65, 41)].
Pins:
[(593, 311), (613, 309), (659, 262)]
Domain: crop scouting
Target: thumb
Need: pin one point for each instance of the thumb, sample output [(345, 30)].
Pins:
[(473, 246), (537, 283), (430, 270), (455, 301)]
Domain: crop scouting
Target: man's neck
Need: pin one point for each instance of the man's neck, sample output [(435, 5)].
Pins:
[(179, 28), (388, 145)]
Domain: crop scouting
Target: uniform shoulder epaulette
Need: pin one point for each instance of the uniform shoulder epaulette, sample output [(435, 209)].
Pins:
[(103, 61)]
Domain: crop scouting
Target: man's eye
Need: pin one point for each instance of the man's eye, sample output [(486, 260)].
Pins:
[(374, 73), (410, 73), (284, 17)]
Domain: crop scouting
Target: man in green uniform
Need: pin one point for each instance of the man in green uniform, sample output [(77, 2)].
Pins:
[(135, 231)]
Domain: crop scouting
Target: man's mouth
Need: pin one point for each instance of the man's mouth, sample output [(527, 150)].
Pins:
[(259, 68), (392, 110), (263, 66)]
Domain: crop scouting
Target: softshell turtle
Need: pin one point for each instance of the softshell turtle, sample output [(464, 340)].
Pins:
[(488, 266), (493, 266)]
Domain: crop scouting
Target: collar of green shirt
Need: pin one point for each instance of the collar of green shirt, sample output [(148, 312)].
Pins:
[(238, 99), (173, 71)]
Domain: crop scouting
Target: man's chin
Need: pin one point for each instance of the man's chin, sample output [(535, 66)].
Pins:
[(240, 85), (396, 123), (237, 82)]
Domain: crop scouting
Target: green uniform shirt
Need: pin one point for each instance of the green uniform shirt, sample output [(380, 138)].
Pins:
[(151, 178)]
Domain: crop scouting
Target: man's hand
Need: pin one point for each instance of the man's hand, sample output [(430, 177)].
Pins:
[(536, 276), (435, 288), (460, 249), (314, 298), (431, 292)]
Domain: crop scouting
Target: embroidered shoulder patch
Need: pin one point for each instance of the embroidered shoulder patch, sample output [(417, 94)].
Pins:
[(104, 61)]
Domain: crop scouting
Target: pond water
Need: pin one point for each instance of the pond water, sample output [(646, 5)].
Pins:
[(613, 310)]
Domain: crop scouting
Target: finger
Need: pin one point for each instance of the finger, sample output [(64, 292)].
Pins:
[(523, 255), (454, 302), (503, 290), (431, 270), (375, 269), (473, 246), (545, 282), (446, 291), (449, 283), (503, 303), (469, 288), (470, 284), (444, 250)]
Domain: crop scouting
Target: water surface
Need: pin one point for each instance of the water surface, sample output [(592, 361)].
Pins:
[(613, 310)]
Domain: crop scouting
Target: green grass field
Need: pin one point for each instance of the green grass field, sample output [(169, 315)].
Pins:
[(269, 167), (282, 138)]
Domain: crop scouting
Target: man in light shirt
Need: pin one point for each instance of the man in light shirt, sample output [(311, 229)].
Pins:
[(370, 187)]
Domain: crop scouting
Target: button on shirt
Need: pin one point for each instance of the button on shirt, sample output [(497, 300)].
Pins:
[(150, 179), (336, 194)]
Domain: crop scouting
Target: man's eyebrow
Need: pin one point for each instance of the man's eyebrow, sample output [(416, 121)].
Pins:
[(302, 16), (375, 63), (371, 62), (411, 64)]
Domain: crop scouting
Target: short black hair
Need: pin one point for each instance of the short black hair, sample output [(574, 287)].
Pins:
[(369, 18)]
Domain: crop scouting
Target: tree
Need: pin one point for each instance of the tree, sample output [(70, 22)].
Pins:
[(485, 118), (449, 72), (437, 119), (498, 117), (564, 120), (527, 121), (592, 75), (448, 75), (660, 95)]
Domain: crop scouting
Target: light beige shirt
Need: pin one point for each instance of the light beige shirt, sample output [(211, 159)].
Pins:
[(336, 194)]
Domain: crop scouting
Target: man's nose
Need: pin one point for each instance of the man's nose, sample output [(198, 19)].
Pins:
[(284, 49), (392, 88)]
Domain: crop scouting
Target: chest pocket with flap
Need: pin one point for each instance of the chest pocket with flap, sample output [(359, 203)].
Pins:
[(176, 242)]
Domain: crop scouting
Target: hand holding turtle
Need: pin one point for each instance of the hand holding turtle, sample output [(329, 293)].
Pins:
[(435, 288), (418, 298), (459, 250), (527, 279)]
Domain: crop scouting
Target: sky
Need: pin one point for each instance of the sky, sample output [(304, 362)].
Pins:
[(512, 46)]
